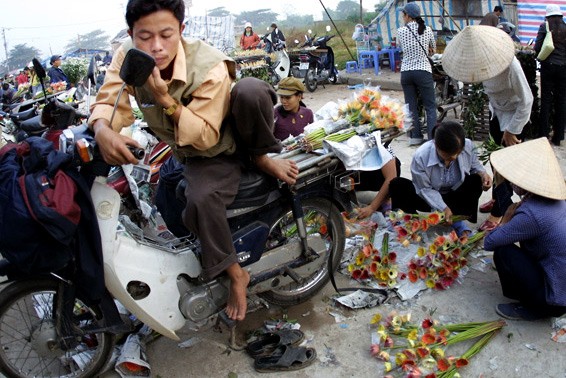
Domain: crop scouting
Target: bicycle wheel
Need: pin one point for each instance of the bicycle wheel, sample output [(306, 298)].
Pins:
[(30, 345)]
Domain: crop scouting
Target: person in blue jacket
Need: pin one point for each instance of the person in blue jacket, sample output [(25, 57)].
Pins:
[(530, 243)]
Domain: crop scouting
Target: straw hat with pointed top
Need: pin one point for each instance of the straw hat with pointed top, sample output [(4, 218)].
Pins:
[(478, 53), (532, 166)]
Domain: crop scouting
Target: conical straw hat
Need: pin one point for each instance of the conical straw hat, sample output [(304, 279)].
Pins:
[(532, 166), (478, 53)]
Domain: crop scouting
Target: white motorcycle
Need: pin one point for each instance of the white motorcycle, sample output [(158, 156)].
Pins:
[(288, 239)]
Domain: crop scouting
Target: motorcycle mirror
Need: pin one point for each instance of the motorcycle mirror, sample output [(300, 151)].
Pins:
[(328, 28), (91, 70), (38, 67), (136, 68)]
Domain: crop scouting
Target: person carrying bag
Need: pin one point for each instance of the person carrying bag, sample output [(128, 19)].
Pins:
[(547, 45)]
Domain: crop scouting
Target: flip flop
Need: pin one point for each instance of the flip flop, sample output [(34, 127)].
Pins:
[(270, 341), (285, 358)]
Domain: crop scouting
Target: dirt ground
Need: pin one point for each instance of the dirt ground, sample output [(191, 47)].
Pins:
[(522, 349)]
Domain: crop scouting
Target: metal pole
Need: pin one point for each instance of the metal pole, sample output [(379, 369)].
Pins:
[(337, 31)]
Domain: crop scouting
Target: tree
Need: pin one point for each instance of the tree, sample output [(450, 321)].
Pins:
[(218, 12), (20, 55), (96, 39), (344, 9), (260, 19)]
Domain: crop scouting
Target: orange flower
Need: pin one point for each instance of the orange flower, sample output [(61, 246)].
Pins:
[(443, 364), (323, 229), (461, 362), (367, 249), (415, 225), (439, 241), (428, 339), (427, 323), (433, 219), (424, 225), (422, 273), (413, 277), (392, 257), (423, 352)]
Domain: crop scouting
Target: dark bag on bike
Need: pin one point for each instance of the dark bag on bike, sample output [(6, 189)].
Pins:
[(39, 215)]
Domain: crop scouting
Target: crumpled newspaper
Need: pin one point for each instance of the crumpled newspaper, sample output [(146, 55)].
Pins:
[(559, 326), (361, 299)]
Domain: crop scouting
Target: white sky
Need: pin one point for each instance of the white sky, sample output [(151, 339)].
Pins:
[(51, 25)]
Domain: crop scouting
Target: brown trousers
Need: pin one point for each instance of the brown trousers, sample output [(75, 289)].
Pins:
[(212, 183)]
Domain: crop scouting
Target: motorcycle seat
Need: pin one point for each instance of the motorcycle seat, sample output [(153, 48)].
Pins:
[(253, 190), (33, 126), (22, 116)]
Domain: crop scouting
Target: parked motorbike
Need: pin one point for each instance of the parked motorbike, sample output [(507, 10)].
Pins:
[(321, 62), (288, 238), (280, 67), (447, 91)]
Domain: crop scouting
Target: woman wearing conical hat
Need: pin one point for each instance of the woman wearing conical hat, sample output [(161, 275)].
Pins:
[(531, 272), (487, 54)]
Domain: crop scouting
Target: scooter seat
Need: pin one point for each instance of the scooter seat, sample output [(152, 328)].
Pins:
[(33, 126), (253, 190), (22, 116)]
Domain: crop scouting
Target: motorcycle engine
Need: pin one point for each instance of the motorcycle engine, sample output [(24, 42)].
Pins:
[(197, 303), (324, 74)]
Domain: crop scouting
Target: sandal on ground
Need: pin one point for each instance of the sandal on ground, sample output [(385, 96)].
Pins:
[(285, 358), (487, 207), (268, 342), (488, 225), (516, 311)]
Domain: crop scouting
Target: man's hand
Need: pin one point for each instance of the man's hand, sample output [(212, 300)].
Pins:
[(159, 88), (113, 146), (509, 139)]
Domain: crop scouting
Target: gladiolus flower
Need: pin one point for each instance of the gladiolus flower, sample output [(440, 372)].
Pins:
[(388, 367), (374, 350), (405, 243), (424, 225), (437, 353), (428, 339), (453, 236), (432, 248), (415, 225), (376, 318), (428, 363), (430, 283), (433, 219), (367, 249), (356, 274), (323, 229), (388, 343), (400, 358), (384, 356), (423, 352), (413, 277), (365, 275), (392, 257), (421, 251), (461, 362), (443, 364), (427, 323), (423, 273), (439, 241), (373, 267)]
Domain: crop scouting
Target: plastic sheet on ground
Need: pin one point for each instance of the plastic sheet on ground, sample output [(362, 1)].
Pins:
[(559, 326)]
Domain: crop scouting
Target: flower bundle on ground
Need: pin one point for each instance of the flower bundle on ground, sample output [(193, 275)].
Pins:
[(370, 107), (380, 266), (420, 350), (58, 87), (439, 263)]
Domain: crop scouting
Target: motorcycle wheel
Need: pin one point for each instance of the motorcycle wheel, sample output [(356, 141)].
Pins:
[(333, 79), (310, 80), (28, 336), (322, 221)]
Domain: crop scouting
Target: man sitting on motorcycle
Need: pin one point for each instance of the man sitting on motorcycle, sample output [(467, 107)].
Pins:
[(187, 102)]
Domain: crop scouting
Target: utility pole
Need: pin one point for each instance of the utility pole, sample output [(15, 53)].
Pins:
[(5, 47)]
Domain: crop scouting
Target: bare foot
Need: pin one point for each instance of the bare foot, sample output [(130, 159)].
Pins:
[(237, 301), (284, 170)]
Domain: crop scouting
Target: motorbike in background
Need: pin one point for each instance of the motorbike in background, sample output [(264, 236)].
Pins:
[(321, 62), (280, 66)]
